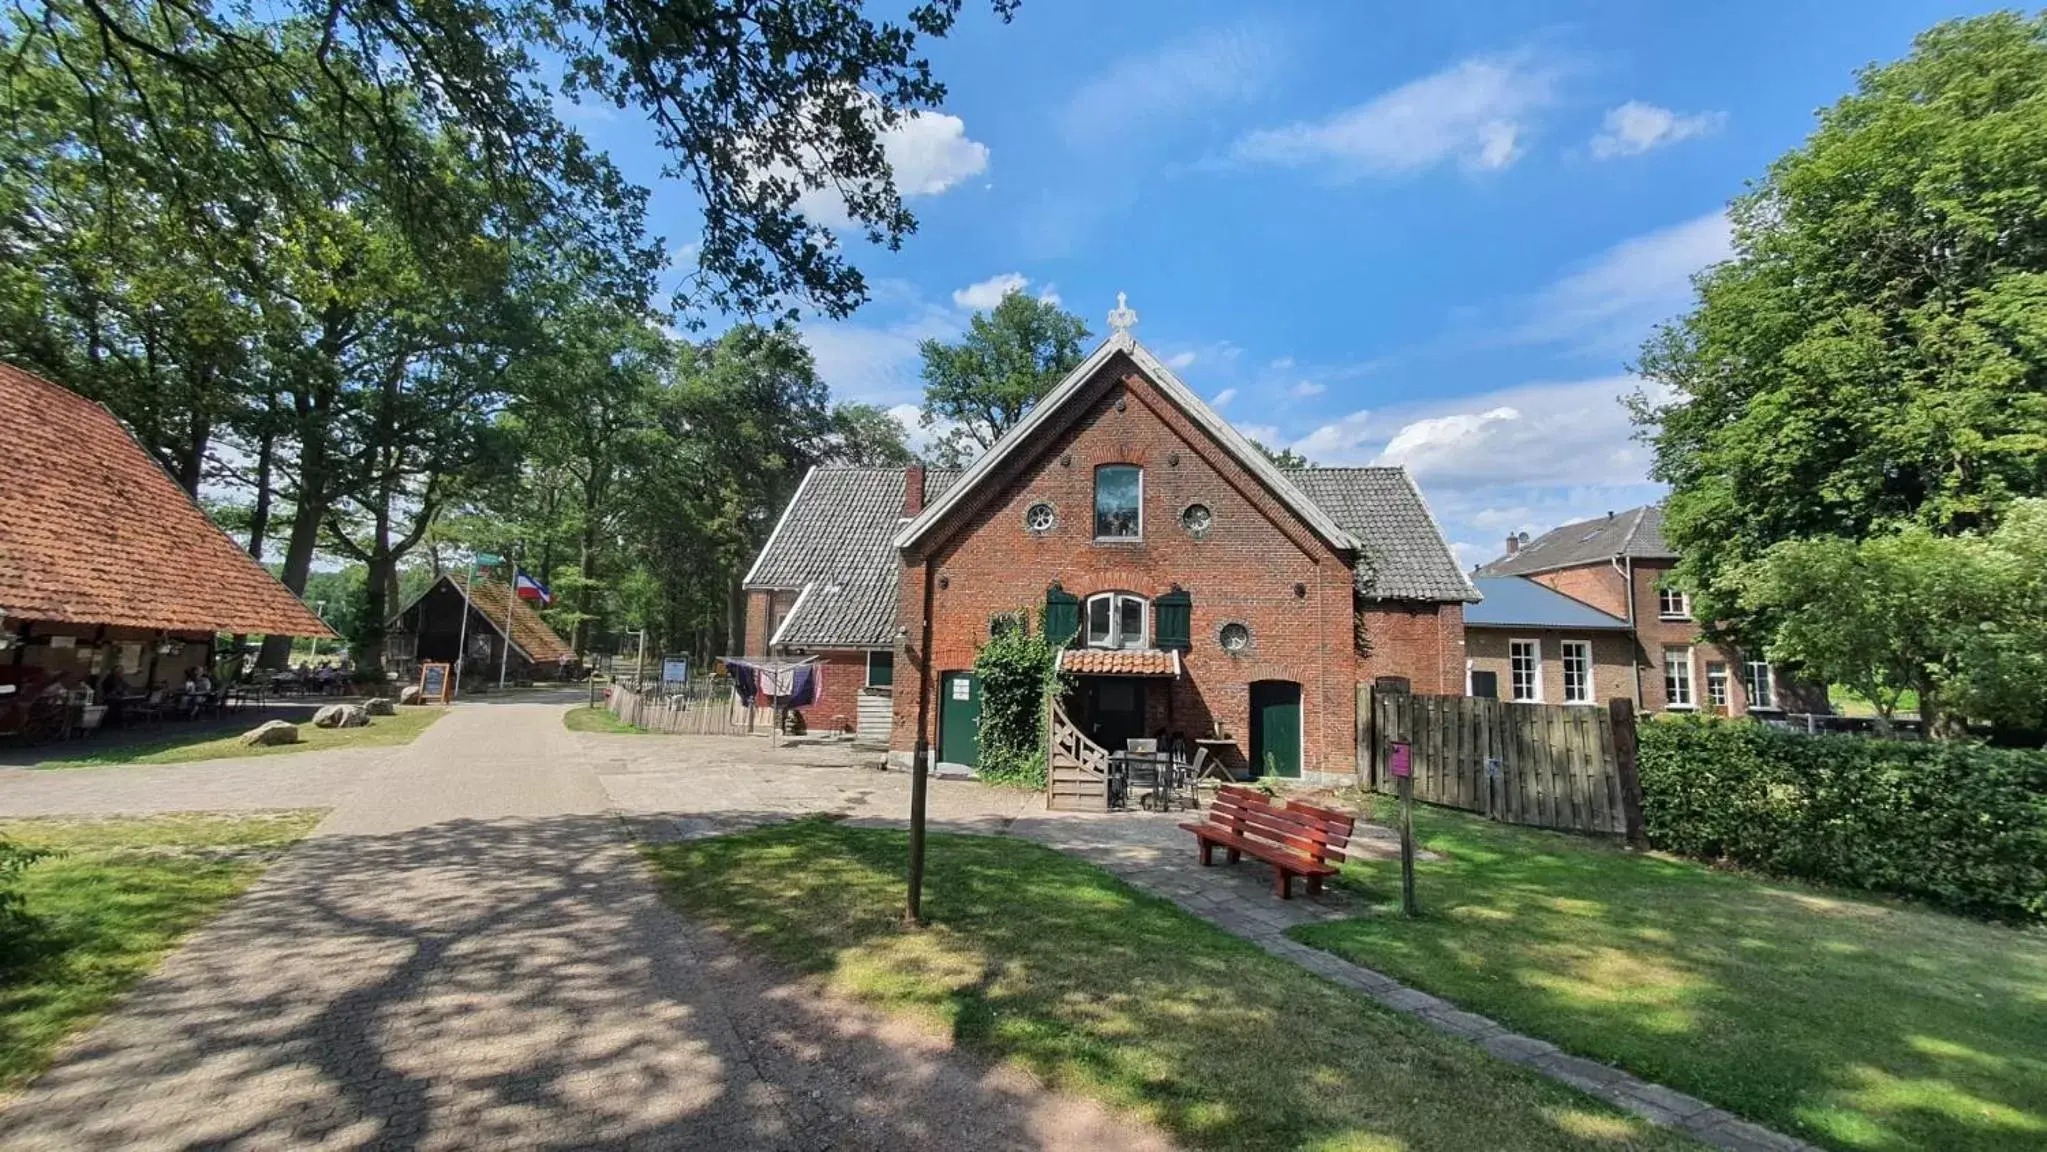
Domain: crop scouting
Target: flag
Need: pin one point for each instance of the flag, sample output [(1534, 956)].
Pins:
[(531, 589)]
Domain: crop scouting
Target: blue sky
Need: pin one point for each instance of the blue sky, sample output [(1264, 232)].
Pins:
[(1431, 235)]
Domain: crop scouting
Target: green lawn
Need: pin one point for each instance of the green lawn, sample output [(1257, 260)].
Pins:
[(169, 746), (118, 894), (1095, 988), (1853, 1023), (598, 719)]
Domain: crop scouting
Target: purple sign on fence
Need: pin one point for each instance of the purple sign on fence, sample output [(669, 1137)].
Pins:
[(1397, 763)]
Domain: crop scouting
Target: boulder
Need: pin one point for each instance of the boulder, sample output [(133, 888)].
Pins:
[(341, 716), (379, 706), (272, 732), (410, 694)]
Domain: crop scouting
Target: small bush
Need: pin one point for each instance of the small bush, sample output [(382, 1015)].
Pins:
[(1018, 673), (1954, 823), (14, 918)]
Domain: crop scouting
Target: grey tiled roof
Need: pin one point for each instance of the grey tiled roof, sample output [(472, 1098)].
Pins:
[(1405, 556), (1636, 532), (834, 539), (834, 545)]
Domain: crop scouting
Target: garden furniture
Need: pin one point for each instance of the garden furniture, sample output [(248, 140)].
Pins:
[(1296, 839)]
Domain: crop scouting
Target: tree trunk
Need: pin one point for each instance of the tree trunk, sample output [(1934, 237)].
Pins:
[(298, 564)]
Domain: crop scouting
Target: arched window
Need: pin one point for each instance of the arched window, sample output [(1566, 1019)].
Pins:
[(1117, 620), (1119, 502)]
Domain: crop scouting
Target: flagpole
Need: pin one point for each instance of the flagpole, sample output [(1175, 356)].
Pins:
[(511, 602), (462, 634)]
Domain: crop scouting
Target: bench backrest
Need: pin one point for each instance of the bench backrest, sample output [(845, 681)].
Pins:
[(1318, 834)]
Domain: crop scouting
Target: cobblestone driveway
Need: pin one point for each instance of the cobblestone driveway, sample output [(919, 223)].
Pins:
[(467, 954)]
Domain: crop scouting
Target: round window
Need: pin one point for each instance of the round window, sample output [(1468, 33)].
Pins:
[(1196, 518), (1235, 637), (1040, 518)]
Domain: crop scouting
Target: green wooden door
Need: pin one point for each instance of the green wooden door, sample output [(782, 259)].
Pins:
[(959, 719), (1276, 726)]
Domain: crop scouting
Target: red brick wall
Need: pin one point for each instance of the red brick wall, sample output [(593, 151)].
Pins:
[(1258, 565), (837, 707), (764, 610), (1613, 660), (1600, 585)]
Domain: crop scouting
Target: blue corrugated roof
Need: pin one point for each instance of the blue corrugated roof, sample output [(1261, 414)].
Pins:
[(1518, 602)]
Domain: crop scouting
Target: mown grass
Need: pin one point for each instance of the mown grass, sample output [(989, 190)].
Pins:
[(584, 718), (111, 900), (173, 747), (1037, 958), (1850, 1022)]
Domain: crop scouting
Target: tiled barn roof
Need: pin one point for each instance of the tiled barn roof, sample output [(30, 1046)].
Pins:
[(94, 531), (1638, 532)]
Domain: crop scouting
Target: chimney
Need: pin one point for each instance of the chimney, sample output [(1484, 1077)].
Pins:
[(1513, 543), (913, 491)]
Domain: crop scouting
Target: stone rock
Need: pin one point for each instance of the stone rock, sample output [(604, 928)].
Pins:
[(379, 706), (410, 695), (272, 732), (341, 716)]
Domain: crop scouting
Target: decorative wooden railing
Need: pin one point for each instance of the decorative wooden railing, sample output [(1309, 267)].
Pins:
[(1077, 779)]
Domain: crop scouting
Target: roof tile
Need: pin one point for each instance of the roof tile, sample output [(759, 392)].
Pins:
[(94, 531), (1637, 532), (1118, 662)]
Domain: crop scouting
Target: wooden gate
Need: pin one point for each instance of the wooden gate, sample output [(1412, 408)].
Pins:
[(1564, 766)]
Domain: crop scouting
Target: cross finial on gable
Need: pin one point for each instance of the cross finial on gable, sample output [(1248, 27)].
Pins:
[(1123, 319)]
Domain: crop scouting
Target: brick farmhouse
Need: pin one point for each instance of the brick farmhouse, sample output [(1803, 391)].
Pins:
[(1604, 586), (1203, 592)]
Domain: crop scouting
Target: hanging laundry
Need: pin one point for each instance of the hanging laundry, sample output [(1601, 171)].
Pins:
[(743, 681), (803, 687)]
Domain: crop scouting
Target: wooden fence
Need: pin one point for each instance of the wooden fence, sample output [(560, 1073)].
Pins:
[(701, 708), (1561, 766)]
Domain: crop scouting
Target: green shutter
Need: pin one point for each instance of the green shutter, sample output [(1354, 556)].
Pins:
[(1062, 616), (1173, 624)]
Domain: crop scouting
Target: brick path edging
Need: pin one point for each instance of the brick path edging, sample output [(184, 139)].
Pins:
[(1246, 909)]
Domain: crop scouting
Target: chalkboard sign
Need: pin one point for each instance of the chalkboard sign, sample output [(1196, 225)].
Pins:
[(674, 669), (433, 682)]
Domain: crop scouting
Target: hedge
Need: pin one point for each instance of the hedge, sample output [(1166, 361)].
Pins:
[(1954, 823)]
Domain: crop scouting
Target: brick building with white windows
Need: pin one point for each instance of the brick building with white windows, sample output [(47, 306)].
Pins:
[(1200, 589), (1618, 566)]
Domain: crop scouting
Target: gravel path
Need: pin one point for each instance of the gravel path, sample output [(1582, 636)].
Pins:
[(468, 954)]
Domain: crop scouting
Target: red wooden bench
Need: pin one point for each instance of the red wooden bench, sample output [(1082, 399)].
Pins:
[(1296, 839)]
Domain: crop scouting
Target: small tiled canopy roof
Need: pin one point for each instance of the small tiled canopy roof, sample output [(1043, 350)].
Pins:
[(94, 531), (529, 632), (1119, 662)]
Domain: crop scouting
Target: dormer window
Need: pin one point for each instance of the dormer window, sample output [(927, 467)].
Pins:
[(1116, 620), (1119, 502)]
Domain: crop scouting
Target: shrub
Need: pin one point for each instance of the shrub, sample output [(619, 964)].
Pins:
[(1018, 673), (14, 918), (1954, 823)]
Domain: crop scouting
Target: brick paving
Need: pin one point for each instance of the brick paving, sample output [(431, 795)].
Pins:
[(466, 953)]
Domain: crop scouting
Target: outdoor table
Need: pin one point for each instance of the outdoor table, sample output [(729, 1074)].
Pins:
[(1216, 747)]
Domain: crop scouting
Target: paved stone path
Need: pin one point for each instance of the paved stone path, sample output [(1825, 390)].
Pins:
[(467, 954)]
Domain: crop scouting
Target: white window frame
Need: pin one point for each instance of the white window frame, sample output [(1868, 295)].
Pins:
[(1718, 684), (1583, 649), (1683, 610), (1769, 681), (1691, 701), (1115, 637), (1513, 686), (1095, 506)]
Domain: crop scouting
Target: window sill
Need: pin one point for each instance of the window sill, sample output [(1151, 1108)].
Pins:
[(1119, 540), (1524, 700), (1582, 703), (1675, 619), (1680, 707)]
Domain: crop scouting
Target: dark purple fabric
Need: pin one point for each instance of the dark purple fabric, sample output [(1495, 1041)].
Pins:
[(742, 681), (803, 693)]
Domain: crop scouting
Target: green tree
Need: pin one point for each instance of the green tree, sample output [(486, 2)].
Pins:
[(755, 102), (1959, 620), (981, 385), (1875, 355), (1285, 459)]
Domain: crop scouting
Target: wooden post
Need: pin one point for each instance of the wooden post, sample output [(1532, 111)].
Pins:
[(1625, 769), (1367, 748), (1401, 763)]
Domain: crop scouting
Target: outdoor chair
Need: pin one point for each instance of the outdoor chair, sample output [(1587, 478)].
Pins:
[(150, 707)]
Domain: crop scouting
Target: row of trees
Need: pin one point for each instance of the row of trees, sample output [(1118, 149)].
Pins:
[(1860, 424), (346, 276)]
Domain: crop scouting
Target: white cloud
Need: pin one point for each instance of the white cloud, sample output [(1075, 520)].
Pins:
[(1613, 299), (1203, 69), (928, 153), (1223, 397), (988, 293), (1305, 389), (1284, 363), (1049, 294), (1179, 361), (1265, 434), (878, 362), (1475, 113), (1636, 127)]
